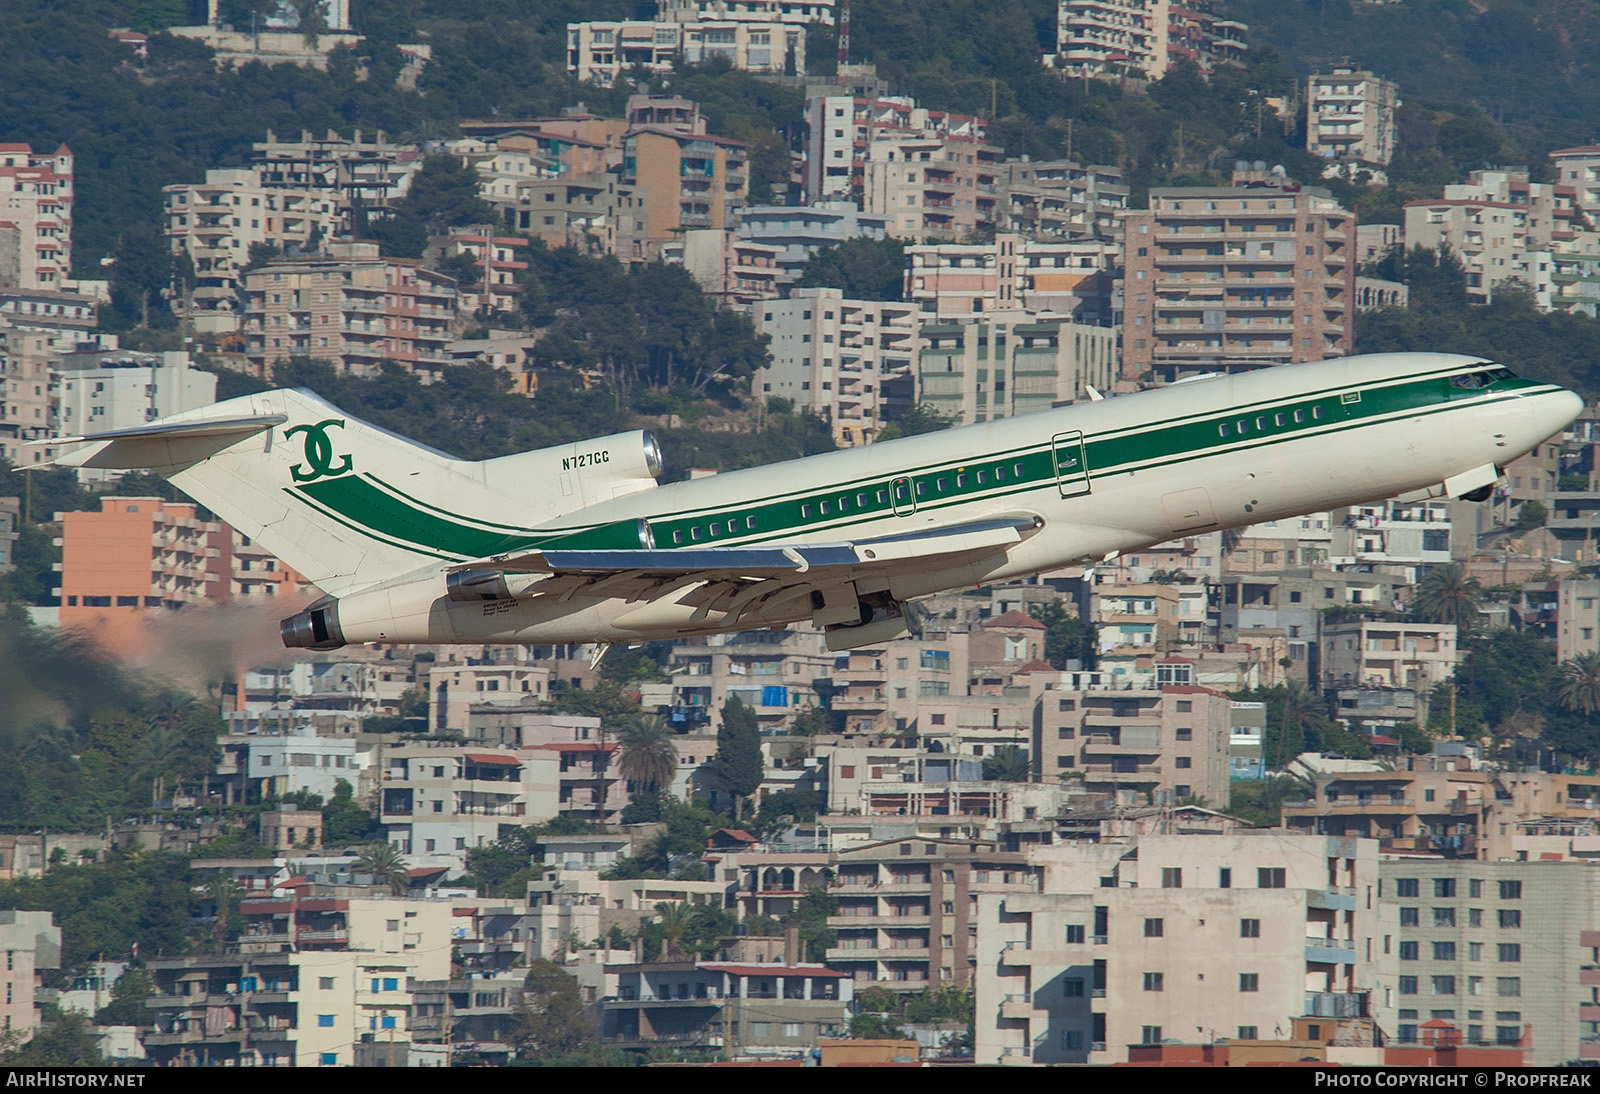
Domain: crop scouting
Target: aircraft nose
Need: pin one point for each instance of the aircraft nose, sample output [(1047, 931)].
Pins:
[(1558, 410)]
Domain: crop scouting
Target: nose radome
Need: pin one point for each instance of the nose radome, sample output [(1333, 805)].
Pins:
[(1558, 410)]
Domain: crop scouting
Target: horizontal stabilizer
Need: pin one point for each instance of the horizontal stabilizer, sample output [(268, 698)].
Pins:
[(163, 445)]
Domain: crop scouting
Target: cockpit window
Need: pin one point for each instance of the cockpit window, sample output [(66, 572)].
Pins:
[(1481, 378)]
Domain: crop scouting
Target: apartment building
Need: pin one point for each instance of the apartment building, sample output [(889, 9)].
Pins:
[(1503, 951), (908, 909), (799, 12), (351, 307), (878, 688), (1430, 806), (1501, 226), (370, 175), (1163, 742), (457, 691), (32, 943), (933, 187), (449, 798), (304, 1009), (107, 390), (36, 194), (134, 555), (495, 266), (1143, 38), (1221, 276), (733, 271), (1350, 117), (960, 280), (851, 361), (1387, 653), (1274, 545), (10, 525), (1395, 537), (774, 673), (302, 760), (1197, 937), (602, 52), (1062, 200), (800, 231), (35, 329), (688, 180), (591, 212), (1006, 363), (217, 222), (841, 130), (1578, 617), (1293, 599)]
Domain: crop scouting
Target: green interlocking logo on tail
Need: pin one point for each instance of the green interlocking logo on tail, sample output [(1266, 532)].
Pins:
[(318, 451)]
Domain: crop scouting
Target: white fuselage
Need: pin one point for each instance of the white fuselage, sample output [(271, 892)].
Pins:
[(1190, 457)]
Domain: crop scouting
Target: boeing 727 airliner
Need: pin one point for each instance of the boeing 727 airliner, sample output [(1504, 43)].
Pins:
[(579, 543)]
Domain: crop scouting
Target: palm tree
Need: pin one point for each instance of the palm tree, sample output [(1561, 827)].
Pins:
[(1007, 764), (1447, 594), (384, 863), (1578, 687), (649, 757), (675, 920)]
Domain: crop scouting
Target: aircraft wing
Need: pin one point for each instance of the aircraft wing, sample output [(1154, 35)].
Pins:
[(735, 578)]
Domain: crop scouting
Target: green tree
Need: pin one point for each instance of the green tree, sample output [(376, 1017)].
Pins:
[(344, 821), (551, 1020), (1531, 514), (1578, 684), (1448, 594), (1066, 636), (922, 418), (1260, 801), (737, 765), (1007, 763), (380, 859), (63, 1039), (128, 995), (863, 268), (443, 195), (649, 754)]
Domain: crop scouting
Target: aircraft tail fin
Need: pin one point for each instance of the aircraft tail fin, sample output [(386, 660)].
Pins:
[(348, 504)]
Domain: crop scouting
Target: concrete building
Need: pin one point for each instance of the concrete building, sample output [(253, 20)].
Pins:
[(1131, 942), (1579, 168), (1163, 743), (1387, 653), (960, 280), (932, 188), (1350, 118), (32, 943), (1501, 950), (775, 674), (734, 271), (448, 798), (370, 175), (1143, 38), (112, 389), (688, 180), (1395, 537), (1007, 363), (10, 532), (592, 212), (1502, 228), (841, 130), (36, 194), (851, 361), (302, 760), (351, 307), (800, 231), (216, 224), (1061, 200), (602, 52), (495, 265), (1233, 276), (134, 555), (798, 12), (908, 908), (1578, 619), (37, 327)]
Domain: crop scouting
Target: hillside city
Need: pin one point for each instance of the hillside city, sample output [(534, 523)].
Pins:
[(1320, 789)]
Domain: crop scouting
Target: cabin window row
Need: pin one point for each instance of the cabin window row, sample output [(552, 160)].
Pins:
[(1263, 422), (713, 530)]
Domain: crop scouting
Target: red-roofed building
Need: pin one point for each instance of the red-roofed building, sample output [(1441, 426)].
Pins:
[(1011, 638)]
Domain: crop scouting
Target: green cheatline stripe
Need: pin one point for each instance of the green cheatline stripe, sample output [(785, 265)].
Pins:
[(457, 518), (367, 532), (394, 517)]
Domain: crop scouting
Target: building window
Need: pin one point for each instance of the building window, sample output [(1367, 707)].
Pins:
[(1510, 951), (1075, 934), (1152, 981), (1408, 985), (325, 1021), (1172, 877), (1150, 1035), (1073, 988), (1444, 917), (1406, 886), (1444, 951), (1408, 951), (1444, 985), (1511, 890), (1409, 917), (1249, 981), (1249, 928), (1508, 987), (1153, 928), (1509, 917), (1247, 1033), (1270, 877), (1444, 887)]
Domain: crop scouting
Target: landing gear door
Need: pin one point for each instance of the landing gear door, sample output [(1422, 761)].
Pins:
[(1072, 472)]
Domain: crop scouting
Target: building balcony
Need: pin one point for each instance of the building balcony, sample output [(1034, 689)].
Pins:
[(1330, 951), (877, 953), (891, 922), (1017, 1007)]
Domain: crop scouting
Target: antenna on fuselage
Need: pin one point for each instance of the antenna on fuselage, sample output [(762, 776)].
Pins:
[(1094, 396)]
